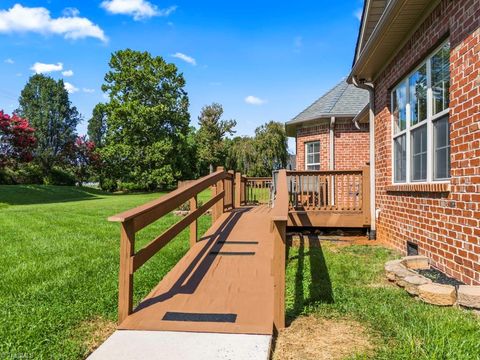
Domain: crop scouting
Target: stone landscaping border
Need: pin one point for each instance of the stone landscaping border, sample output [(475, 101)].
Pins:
[(403, 273)]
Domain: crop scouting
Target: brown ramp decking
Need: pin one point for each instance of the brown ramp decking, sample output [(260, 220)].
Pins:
[(223, 284)]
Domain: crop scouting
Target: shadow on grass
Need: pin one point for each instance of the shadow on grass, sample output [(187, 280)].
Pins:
[(315, 278), (46, 194)]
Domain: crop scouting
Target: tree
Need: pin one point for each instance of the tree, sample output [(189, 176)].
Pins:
[(86, 160), (271, 147), (211, 136), (261, 154), (17, 140), (241, 155), (45, 103), (97, 125), (147, 120)]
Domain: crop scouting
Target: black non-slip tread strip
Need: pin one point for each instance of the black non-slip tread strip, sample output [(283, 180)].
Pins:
[(238, 242), (241, 253), (199, 317)]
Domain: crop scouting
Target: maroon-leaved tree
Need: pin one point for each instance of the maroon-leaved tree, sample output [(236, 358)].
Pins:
[(17, 140), (87, 161)]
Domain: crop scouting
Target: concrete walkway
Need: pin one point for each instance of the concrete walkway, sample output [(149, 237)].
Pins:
[(153, 345)]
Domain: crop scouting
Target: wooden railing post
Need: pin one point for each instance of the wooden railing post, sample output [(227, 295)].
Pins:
[(366, 194), (279, 228), (194, 224), (279, 263), (218, 209), (231, 188), (125, 286), (238, 189)]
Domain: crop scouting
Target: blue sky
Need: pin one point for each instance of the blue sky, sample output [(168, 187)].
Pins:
[(262, 60)]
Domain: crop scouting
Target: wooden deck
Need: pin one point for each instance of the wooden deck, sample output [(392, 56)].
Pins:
[(223, 284), (232, 280)]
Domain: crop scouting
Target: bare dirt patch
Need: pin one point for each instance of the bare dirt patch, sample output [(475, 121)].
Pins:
[(309, 338), (94, 332)]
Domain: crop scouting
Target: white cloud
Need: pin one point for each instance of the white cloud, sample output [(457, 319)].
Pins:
[(70, 12), (67, 73), (41, 68), (9, 61), (88, 91), (358, 14), (253, 100), (139, 9), (185, 58), (19, 19), (70, 87)]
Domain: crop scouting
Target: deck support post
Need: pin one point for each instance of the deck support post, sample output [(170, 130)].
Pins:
[(238, 189), (125, 286), (194, 224)]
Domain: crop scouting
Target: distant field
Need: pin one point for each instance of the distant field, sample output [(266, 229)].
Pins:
[(59, 267)]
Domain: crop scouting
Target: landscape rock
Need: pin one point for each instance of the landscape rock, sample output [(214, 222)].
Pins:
[(412, 282), (469, 296), (416, 262), (397, 272), (391, 267), (437, 294)]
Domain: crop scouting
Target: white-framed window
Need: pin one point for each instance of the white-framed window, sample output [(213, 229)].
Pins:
[(420, 127), (312, 155)]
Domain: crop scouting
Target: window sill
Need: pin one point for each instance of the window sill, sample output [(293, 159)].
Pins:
[(443, 187)]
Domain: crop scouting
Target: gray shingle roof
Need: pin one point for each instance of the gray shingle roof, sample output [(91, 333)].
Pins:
[(343, 100)]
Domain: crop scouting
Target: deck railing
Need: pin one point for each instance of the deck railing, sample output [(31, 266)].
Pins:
[(134, 220), (339, 191), (258, 190)]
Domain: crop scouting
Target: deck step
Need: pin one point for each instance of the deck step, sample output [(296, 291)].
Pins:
[(171, 345)]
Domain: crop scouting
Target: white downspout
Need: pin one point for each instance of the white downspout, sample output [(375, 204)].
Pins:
[(332, 144), (331, 164), (373, 212)]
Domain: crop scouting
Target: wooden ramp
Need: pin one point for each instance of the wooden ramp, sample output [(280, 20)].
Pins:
[(224, 284)]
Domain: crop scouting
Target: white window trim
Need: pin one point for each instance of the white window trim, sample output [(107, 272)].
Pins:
[(407, 131), (306, 154)]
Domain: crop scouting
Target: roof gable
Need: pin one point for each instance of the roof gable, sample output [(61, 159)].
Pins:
[(342, 100)]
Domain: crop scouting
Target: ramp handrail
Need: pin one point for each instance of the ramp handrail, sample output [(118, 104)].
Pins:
[(136, 219)]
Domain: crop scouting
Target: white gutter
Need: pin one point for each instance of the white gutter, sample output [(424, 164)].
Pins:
[(373, 212)]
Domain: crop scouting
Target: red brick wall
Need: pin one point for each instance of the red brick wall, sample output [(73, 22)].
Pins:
[(313, 133), (444, 225), (351, 144)]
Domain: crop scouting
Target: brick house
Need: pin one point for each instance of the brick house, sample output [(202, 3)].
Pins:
[(420, 61), (332, 133)]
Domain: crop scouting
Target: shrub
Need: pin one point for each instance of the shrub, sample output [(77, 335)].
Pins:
[(130, 187), (26, 174), (108, 185), (58, 176)]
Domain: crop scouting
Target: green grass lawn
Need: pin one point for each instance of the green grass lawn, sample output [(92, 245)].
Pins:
[(59, 272), (59, 266), (348, 283)]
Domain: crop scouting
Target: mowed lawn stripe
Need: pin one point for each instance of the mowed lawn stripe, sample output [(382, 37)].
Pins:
[(59, 265)]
